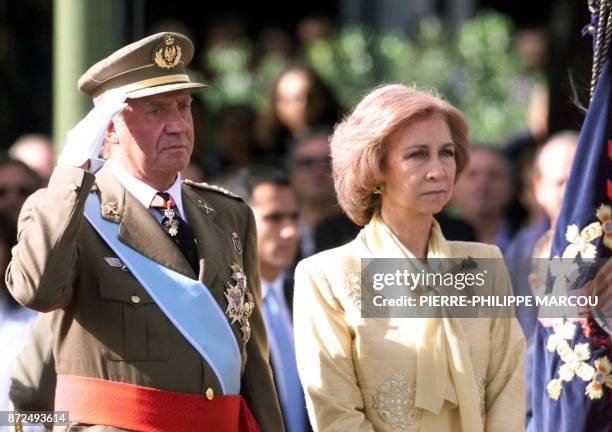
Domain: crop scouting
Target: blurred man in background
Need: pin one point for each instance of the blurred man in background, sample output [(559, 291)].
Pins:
[(269, 194), (483, 194), (36, 151), (323, 225), (551, 171), (17, 182), (551, 168)]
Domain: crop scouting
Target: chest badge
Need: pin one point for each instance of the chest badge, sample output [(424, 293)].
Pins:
[(204, 205), (110, 208), (237, 243)]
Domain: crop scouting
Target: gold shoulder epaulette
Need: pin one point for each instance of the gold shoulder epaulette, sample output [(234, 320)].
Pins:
[(215, 188)]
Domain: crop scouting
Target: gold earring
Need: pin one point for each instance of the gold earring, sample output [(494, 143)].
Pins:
[(379, 189)]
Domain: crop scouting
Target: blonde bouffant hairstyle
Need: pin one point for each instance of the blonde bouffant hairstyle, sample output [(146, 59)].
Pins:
[(359, 143)]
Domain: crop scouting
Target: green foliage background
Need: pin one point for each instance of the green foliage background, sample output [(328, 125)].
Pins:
[(475, 69)]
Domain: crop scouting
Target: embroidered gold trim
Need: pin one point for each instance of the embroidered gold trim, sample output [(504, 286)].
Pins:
[(481, 384)]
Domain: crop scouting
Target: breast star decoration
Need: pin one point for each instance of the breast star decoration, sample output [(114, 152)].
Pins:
[(240, 302)]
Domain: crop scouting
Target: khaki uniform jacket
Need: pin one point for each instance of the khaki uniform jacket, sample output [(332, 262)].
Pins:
[(359, 373), (105, 325)]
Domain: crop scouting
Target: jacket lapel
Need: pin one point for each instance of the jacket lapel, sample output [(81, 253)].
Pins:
[(211, 238), (138, 228)]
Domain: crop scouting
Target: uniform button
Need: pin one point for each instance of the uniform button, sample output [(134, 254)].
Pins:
[(73, 187), (135, 299), (210, 393)]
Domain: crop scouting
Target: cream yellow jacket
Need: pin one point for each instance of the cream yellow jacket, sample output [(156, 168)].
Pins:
[(360, 374)]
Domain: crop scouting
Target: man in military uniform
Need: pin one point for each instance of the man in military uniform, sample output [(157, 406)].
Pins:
[(153, 281)]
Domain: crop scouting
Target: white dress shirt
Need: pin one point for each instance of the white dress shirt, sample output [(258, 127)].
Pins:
[(145, 193)]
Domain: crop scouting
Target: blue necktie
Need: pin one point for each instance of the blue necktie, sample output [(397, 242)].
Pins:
[(282, 351)]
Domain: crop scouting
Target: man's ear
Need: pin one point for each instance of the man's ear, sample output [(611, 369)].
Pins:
[(110, 135)]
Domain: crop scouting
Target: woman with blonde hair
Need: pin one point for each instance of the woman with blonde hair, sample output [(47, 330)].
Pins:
[(395, 160)]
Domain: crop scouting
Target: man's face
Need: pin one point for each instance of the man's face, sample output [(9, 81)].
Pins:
[(156, 135), (484, 188), (554, 163), (16, 184), (276, 217), (311, 170)]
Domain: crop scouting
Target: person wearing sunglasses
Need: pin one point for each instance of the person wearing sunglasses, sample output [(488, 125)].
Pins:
[(322, 222), (17, 182)]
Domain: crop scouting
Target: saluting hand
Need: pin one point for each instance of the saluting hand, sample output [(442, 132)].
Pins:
[(84, 141)]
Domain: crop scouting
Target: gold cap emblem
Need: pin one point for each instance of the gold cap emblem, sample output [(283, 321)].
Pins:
[(169, 55)]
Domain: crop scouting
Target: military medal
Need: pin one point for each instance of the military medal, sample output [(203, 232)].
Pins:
[(239, 301), (170, 222)]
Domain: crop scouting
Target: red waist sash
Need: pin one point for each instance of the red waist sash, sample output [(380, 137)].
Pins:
[(128, 406)]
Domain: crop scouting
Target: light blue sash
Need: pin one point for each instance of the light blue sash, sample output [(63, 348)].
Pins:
[(186, 302)]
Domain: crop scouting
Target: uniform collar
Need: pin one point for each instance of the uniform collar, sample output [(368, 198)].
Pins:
[(142, 191), (137, 226)]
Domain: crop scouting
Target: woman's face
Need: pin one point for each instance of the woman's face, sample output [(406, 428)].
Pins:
[(419, 168), (292, 99)]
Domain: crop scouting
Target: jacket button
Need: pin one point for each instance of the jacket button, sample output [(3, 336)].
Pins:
[(135, 299), (210, 393)]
